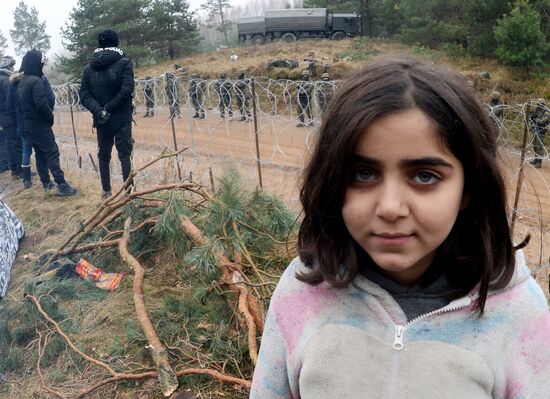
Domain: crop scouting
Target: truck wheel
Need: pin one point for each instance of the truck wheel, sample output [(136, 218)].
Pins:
[(258, 39), (288, 37), (338, 35)]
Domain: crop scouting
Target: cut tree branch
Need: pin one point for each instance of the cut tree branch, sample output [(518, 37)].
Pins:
[(233, 276), (104, 211), (167, 377)]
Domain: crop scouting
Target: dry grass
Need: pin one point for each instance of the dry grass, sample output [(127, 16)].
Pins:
[(343, 56), (253, 59)]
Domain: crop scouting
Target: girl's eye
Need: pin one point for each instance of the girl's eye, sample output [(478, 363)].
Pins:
[(426, 178), (363, 175)]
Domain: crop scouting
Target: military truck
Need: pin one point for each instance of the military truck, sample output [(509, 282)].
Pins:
[(291, 24)]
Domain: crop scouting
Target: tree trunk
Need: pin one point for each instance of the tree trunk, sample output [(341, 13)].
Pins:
[(224, 27)]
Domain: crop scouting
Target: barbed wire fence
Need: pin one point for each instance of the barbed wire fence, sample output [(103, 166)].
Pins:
[(215, 120)]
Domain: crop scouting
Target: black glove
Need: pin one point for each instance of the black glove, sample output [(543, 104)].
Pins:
[(103, 117)]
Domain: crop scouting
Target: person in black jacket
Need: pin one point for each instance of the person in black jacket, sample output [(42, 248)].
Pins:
[(14, 110), (106, 91), (38, 120), (11, 147)]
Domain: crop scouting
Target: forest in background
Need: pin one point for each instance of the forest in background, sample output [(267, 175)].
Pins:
[(516, 33)]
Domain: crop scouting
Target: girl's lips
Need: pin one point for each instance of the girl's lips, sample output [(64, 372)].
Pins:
[(392, 239)]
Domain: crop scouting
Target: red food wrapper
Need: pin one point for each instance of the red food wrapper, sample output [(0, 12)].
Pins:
[(105, 281)]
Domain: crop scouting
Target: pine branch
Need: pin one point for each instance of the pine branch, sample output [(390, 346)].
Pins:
[(232, 275)]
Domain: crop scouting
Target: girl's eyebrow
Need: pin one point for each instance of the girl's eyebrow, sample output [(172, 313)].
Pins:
[(424, 161)]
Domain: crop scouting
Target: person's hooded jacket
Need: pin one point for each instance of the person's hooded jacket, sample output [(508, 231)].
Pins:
[(108, 83), (324, 342), (31, 94), (12, 102), (6, 119)]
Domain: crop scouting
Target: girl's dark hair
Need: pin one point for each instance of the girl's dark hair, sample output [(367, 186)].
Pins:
[(479, 248)]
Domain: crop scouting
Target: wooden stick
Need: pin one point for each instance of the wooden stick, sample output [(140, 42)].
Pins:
[(167, 377), (66, 338), (87, 247), (258, 160), (105, 210), (521, 170)]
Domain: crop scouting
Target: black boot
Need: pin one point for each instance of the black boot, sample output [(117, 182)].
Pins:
[(26, 175), (65, 190)]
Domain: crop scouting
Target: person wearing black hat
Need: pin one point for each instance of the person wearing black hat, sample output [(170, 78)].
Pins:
[(106, 90), (38, 121)]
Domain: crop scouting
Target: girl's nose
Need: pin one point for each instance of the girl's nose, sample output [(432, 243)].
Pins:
[(392, 202)]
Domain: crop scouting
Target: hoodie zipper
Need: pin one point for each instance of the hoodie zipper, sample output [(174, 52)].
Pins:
[(400, 329)]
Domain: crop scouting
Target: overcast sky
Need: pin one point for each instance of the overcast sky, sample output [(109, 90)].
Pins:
[(55, 13)]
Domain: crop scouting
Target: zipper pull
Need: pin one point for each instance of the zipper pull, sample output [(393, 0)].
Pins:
[(398, 339)]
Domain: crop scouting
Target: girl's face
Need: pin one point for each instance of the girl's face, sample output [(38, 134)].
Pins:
[(404, 195)]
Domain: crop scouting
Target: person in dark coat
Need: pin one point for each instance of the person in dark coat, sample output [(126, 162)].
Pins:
[(106, 90), (38, 120), (14, 109), (10, 152)]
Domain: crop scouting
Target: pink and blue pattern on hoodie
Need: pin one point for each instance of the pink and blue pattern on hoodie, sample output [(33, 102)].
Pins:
[(322, 342)]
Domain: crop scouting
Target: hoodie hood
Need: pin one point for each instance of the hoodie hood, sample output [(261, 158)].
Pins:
[(104, 57), (32, 63)]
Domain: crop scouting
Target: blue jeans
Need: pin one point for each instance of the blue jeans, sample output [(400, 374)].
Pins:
[(27, 151)]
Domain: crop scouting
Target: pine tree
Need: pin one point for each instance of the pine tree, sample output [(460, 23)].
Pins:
[(28, 32), (217, 17), (172, 28), (480, 18), (89, 17), (433, 22), (3, 45), (521, 42)]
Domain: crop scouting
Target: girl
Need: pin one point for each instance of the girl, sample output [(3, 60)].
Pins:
[(407, 284)]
